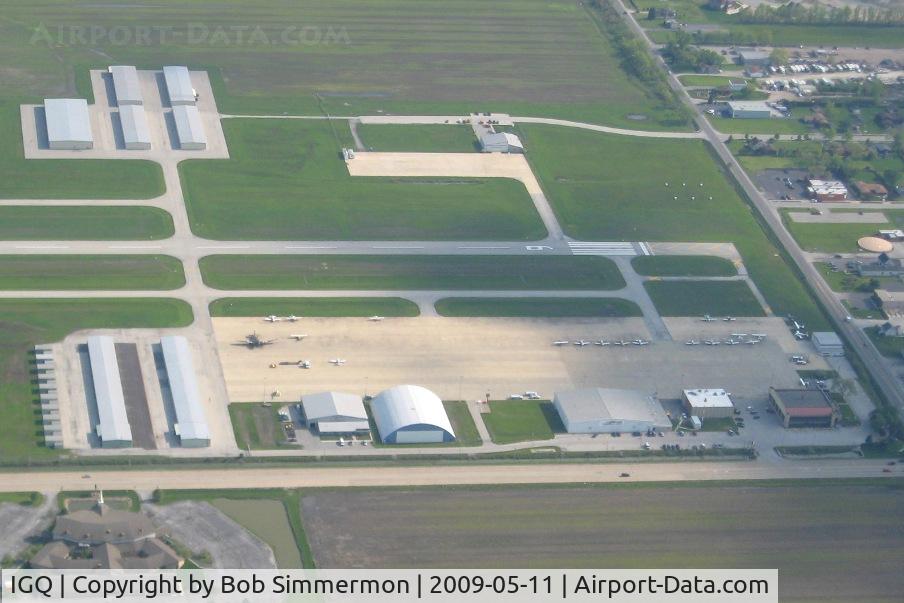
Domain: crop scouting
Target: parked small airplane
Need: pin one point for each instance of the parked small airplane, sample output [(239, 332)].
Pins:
[(729, 319), (602, 342), (707, 318), (758, 335), (732, 342), (272, 318), (692, 342), (799, 335), (621, 342), (305, 364), (298, 337), (560, 342), (752, 341), (376, 318), (711, 342), (641, 342), (337, 361), (253, 341), (581, 343), (292, 318)]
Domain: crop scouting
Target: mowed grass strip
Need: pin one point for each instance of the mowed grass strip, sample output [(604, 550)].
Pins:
[(22, 178), (427, 138), (26, 322), (84, 223), (683, 265), (314, 306), (512, 421), (286, 180), (540, 307), (695, 298), (90, 272), (613, 188), (404, 272)]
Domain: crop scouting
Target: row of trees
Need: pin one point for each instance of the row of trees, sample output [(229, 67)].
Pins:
[(819, 14), (681, 56)]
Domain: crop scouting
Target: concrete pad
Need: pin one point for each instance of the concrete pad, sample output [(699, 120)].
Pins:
[(870, 217)]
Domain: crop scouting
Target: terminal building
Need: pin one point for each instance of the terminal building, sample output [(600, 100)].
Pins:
[(599, 410), (708, 403), (125, 85), (189, 128), (178, 85), (136, 136), (191, 424), (113, 427), (335, 413), (410, 414), (68, 124), (803, 407)]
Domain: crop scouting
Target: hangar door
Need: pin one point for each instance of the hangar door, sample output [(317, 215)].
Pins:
[(419, 437)]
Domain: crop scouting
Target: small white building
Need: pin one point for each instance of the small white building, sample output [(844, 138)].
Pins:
[(136, 135), (707, 403), (189, 128), (335, 413), (827, 343), (600, 410), (501, 142), (68, 124)]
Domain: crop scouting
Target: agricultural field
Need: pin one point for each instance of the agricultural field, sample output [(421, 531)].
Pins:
[(601, 189), (282, 174), (26, 322), (352, 58), (256, 426), (837, 238), (794, 527), (418, 138), (83, 223), (683, 265), (90, 272), (402, 272), (539, 307), (522, 421), (314, 306), (695, 298)]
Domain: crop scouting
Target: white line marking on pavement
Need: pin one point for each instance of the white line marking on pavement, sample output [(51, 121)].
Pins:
[(395, 247), (310, 247), (225, 247), (484, 247), (42, 246), (134, 247)]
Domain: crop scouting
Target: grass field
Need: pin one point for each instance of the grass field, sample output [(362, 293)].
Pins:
[(695, 298), (602, 189), (711, 81), (85, 272), (317, 306), (400, 272), (543, 307), (525, 57), (837, 238), (683, 265), (522, 421), (267, 520), (287, 181), (26, 322), (419, 138), (842, 282), (775, 125), (890, 347), (71, 223), (256, 426), (817, 534), (22, 178)]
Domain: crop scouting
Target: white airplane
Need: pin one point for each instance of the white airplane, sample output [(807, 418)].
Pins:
[(298, 336), (560, 342), (376, 318), (752, 341), (729, 319), (758, 335), (798, 326), (581, 343), (692, 342), (640, 342), (621, 342), (739, 335), (292, 318), (799, 335), (305, 364), (711, 342), (732, 342), (272, 318), (337, 361), (602, 342), (708, 318)]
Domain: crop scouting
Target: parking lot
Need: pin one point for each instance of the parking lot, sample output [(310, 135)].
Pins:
[(774, 183)]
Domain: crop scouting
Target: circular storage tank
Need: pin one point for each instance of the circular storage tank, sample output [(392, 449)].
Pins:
[(875, 245)]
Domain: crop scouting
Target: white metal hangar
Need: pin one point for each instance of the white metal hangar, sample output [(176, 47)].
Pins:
[(178, 85), (135, 132), (335, 412), (191, 425), (410, 414), (189, 128), (600, 410), (113, 428), (708, 403), (125, 85), (501, 142), (68, 124)]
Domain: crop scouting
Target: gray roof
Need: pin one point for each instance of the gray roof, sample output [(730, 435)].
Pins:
[(594, 404), (749, 106), (189, 128), (406, 406), (826, 338), (101, 524), (134, 124), (328, 405), (184, 386), (67, 119), (501, 138), (125, 84), (111, 405), (178, 84)]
